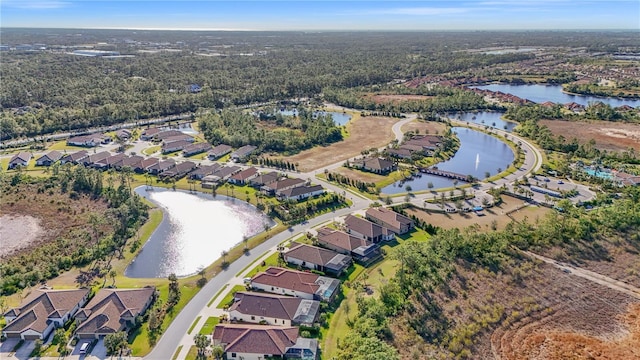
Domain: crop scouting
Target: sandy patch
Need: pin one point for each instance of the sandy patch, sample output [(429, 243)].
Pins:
[(382, 99), (17, 232), (425, 127), (608, 135)]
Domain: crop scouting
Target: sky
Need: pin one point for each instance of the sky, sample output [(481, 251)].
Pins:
[(323, 15)]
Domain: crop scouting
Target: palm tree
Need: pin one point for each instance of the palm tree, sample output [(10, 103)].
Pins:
[(217, 352), (112, 274), (201, 342), (224, 254)]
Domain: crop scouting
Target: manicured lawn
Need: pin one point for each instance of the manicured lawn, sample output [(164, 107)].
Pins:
[(175, 355), (62, 145), (229, 298), (151, 150), (194, 324), (192, 354), (208, 326), (270, 261), (217, 295)]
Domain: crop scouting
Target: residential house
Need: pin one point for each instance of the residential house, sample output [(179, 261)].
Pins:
[(301, 284), (374, 164), (75, 157), (49, 158), (146, 164), (219, 176), (204, 170), (361, 250), (180, 137), (89, 140), (264, 179), (243, 153), (20, 159), (107, 162), (162, 166), (274, 188), (165, 134), (94, 158), (123, 134), (255, 342), (219, 151), (132, 162), (113, 310), (196, 148), (301, 192), (315, 258), (174, 146), (367, 230), (179, 171), (148, 134), (241, 178), (390, 219), (270, 309), (42, 311)]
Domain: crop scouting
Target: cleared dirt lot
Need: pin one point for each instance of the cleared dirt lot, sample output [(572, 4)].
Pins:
[(364, 133), (382, 98), (496, 213), (359, 175), (424, 127), (608, 135), (17, 231)]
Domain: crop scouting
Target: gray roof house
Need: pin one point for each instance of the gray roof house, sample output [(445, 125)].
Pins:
[(49, 158), (315, 258), (270, 309), (20, 159)]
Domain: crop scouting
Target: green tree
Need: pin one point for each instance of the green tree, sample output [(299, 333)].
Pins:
[(202, 342), (116, 343)]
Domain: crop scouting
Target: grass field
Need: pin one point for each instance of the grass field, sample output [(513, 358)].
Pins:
[(229, 298), (425, 127), (365, 132), (208, 326)]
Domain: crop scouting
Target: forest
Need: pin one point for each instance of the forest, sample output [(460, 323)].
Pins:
[(99, 213), (408, 300), (275, 133), (51, 91)]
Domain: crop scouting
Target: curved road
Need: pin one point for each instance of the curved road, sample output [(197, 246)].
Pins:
[(176, 333)]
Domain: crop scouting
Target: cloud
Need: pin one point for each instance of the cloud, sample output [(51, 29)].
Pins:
[(420, 11), (36, 4)]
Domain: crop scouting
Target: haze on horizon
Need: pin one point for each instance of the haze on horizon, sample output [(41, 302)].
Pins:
[(323, 15)]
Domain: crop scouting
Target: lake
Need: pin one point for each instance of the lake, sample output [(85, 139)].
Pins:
[(339, 118), (488, 118), (478, 153), (196, 228), (553, 93)]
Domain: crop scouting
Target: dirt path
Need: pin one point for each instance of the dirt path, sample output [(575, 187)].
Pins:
[(591, 276)]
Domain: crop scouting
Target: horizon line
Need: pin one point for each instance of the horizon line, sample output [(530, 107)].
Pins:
[(315, 30)]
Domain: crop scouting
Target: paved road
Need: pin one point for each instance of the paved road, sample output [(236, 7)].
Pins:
[(590, 275), (169, 341)]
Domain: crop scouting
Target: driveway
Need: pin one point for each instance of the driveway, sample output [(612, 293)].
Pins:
[(98, 352), (22, 353)]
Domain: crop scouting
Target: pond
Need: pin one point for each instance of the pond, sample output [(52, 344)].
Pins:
[(196, 228), (553, 93), (488, 118), (339, 118), (478, 153)]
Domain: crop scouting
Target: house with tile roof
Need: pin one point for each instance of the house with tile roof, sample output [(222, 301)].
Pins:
[(301, 192), (375, 165), (20, 159), (315, 258), (255, 342), (75, 157), (49, 158), (361, 250), (42, 311), (367, 230), (390, 219), (219, 151), (270, 309), (241, 178), (113, 310), (302, 284)]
